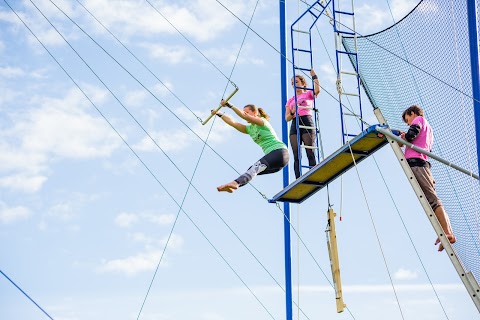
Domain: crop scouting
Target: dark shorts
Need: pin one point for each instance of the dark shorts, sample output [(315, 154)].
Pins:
[(303, 121), (427, 183)]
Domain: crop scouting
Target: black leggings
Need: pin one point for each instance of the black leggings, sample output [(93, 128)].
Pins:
[(308, 138), (270, 163)]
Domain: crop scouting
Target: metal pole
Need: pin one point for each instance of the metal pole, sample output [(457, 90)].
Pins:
[(473, 35), (286, 205), (431, 155)]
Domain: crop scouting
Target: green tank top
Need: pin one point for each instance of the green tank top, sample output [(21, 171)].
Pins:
[(265, 137)]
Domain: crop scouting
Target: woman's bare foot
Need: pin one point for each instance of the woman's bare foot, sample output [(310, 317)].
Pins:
[(229, 187), (450, 238)]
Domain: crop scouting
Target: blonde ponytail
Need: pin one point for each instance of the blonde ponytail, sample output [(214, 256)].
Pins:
[(260, 111)]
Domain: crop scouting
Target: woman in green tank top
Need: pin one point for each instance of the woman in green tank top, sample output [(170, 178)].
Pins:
[(276, 152)]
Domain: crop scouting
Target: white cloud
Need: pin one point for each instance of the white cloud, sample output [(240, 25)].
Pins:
[(135, 98), (63, 211), (141, 237), (400, 8), (49, 37), (25, 182), (181, 138), (63, 128), (10, 215), (125, 219), (54, 129), (39, 74), (327, 74), (168, 53), (372, 18), (147, 260), (228, 56), (174, 243), (405, 274), (68, 209), (164, 89), (141, 262), (51, 11), (8, 16), (168, 140), (202, 20), (7, 95), (42, 29), (160, 219), (11, 72)]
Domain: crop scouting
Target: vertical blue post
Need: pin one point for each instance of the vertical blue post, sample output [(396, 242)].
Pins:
[(286, 205), (473, 35)]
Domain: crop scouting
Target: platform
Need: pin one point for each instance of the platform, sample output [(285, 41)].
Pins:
[(363, 145)]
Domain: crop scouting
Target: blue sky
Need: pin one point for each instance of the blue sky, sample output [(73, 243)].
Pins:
[(83, 223)]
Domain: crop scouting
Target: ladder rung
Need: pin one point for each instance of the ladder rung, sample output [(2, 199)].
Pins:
[(301, 50), (304, 69), (350, 73), (304, 88), (350, 94), (346, 52), (313, 14), (345, 32), (307, 127), (344, 12), (307, 108), (350, 135), (301, 31), (309, 147)]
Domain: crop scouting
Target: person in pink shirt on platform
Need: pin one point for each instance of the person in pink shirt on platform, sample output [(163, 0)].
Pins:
[(420, 134), (305, 106)]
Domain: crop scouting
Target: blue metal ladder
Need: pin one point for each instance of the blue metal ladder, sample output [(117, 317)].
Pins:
[(315, 10), (349, 115)]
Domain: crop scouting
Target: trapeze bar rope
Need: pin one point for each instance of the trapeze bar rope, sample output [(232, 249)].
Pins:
[(220, 106)]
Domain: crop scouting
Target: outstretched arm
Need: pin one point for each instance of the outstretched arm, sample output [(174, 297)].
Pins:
[(242, 114), (228, 120), (316, 82)]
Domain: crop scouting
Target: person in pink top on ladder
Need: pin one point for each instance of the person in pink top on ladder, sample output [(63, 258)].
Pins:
[(305, 105), (420, 134)]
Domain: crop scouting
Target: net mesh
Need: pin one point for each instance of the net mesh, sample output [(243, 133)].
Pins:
[(424, 59)]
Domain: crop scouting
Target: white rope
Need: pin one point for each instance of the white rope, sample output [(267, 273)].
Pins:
[(374, 227), (298, 263), (300, 168)]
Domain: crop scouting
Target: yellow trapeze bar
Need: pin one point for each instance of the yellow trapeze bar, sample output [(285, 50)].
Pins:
[(220, 106)]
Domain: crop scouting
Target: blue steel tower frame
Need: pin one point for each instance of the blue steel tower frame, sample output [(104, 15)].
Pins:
[(473, 35), (475, 71), (286, 205)]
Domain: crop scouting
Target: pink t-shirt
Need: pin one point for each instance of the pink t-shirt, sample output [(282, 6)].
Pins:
[(304, 99), (423, 140)]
